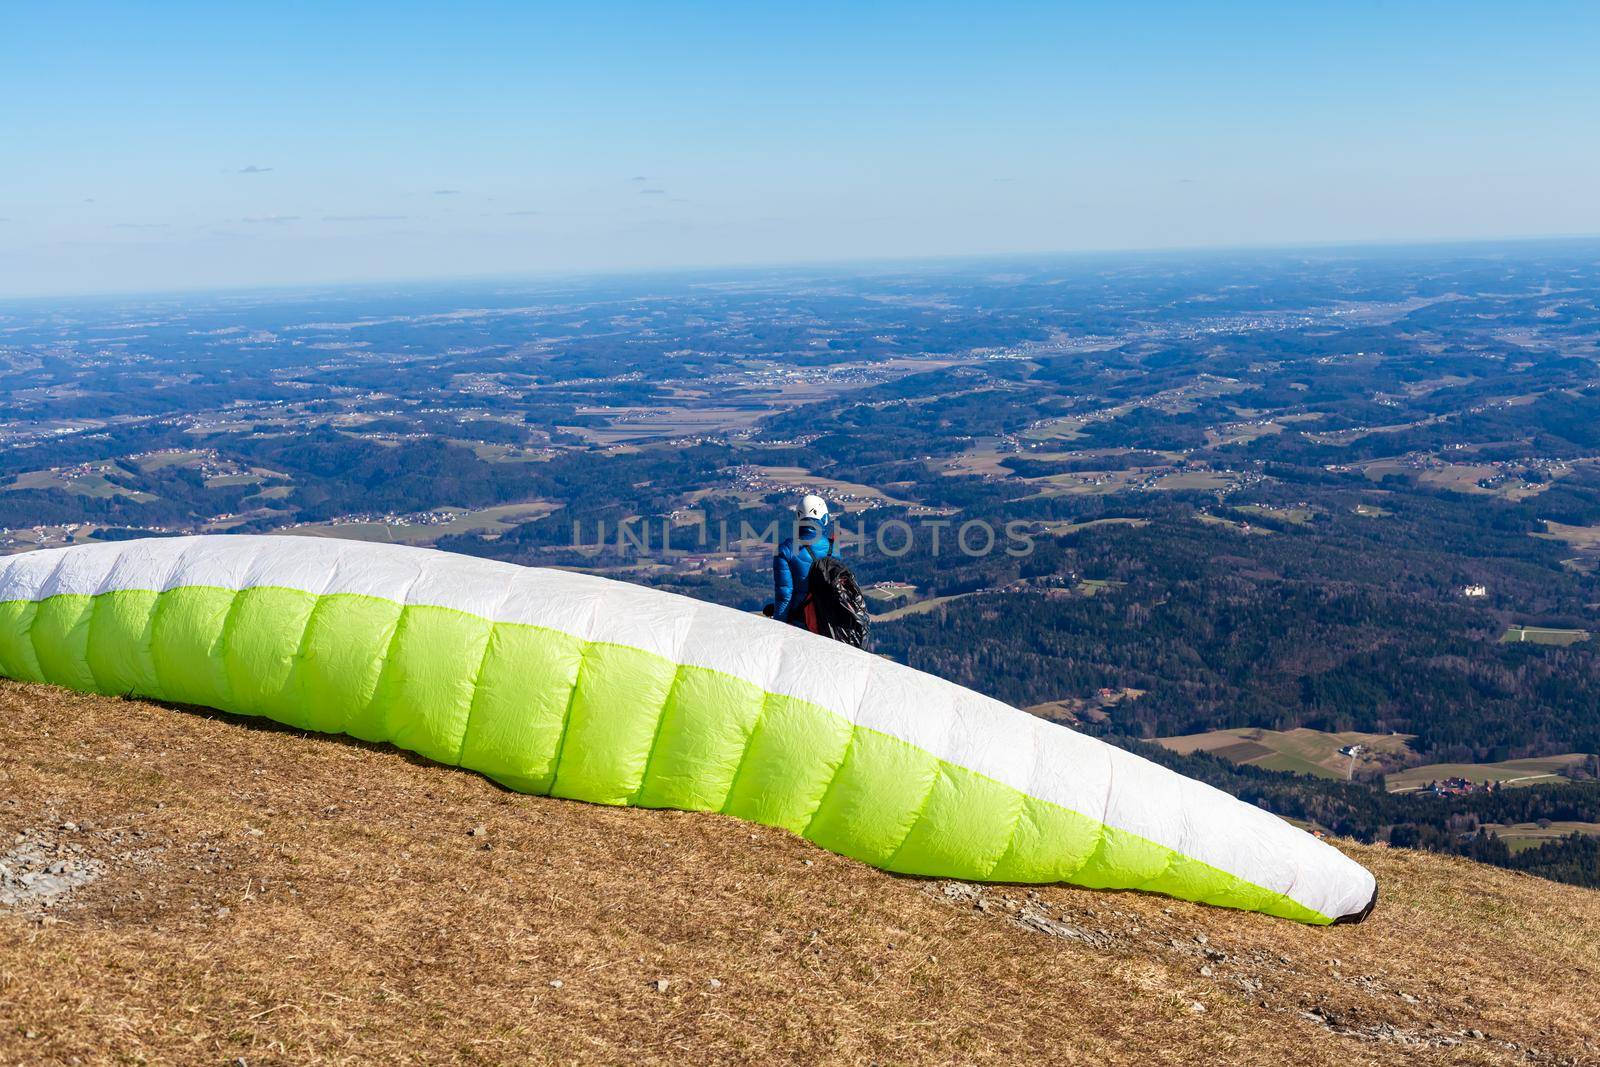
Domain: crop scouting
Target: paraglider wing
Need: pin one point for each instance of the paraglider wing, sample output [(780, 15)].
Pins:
[(576, 686)]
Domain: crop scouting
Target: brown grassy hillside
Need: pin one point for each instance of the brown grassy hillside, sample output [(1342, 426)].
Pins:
[(235, 892)]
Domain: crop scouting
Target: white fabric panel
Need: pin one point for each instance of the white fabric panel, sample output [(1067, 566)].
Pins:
[(1004, 749), (209, 561), (78, 571), (1069, 769), (951, 722), (744, 645), (144, 564), (633, 616), (555, 600), (385, 573), (895, 704), (306, 563), (476, 586), (23, 577), (826, 673), (1144, 802), (1243, 845)]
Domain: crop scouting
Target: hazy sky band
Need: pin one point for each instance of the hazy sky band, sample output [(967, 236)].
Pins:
[(150, 146)]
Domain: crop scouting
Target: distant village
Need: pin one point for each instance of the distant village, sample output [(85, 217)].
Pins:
[(1459, 787)]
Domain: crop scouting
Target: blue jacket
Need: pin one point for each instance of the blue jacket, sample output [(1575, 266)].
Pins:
[(792, 566)]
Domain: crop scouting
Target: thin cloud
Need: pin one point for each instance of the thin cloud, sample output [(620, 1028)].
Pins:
[(1188, 181), (639, 178), (447, 192), (140, 225), (253, 169), (363, 218), (521, 213), (652, 192), (269, 220)]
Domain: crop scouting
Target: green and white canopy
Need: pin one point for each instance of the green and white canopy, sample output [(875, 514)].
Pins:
[(576, 686)]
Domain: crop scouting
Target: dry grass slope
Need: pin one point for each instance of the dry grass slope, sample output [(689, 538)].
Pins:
[(292, 899)]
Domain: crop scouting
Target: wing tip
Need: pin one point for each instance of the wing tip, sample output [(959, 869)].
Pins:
[(1358, 916)]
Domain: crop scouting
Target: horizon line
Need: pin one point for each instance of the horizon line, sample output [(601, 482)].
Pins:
[(844, 265)]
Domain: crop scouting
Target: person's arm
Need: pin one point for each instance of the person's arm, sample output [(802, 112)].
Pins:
[(782, 587)]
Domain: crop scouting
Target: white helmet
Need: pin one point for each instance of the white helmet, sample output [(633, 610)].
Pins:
[(813, 507)]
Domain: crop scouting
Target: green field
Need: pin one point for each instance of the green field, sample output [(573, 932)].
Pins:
[(1540, 770), (1299, 751), (1240, 434), (891, 595), (91, 484), (1063, 429), (155, 461), (1297, 516), (1540, 635), (919, 607), (1085, 483), (1576, 536), (646, 423), (1196, 480), (1096, 586), (1061, 529), (1519, 837), (489, 521), (1217, 520)]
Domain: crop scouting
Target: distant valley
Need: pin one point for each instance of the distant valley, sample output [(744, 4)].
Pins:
[(1260, 506)]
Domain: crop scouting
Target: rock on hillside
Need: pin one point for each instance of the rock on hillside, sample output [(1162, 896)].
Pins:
[(182, 887)]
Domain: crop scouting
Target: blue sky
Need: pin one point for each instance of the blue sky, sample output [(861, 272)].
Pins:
[(175, 145)]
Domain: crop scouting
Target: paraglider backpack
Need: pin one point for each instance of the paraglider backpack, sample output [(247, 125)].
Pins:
[(833, 604)]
